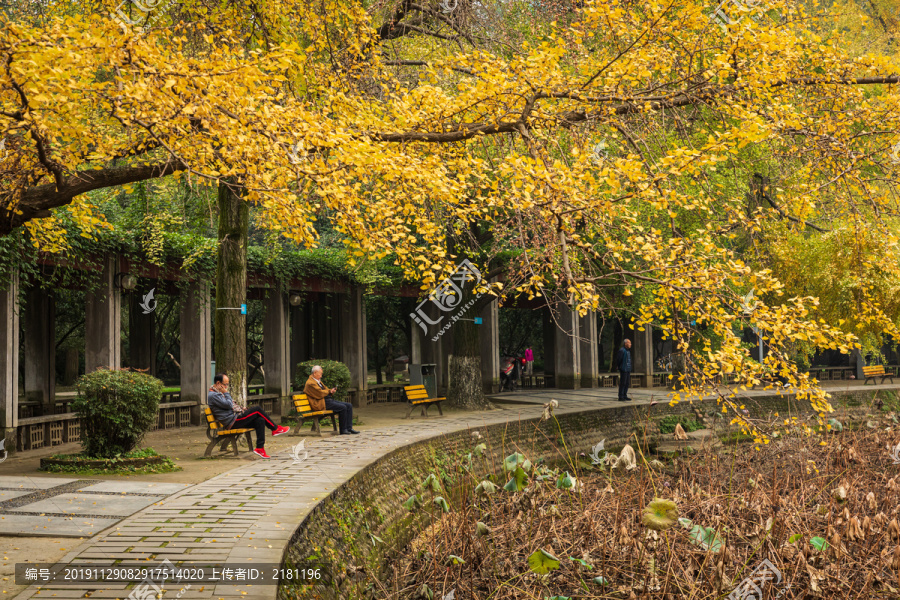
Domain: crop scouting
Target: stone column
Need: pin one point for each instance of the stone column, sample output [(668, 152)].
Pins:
[(141, 334), (319, 327), (301, 338), (588, 341), (353, 341), (432, 351), (9, 363), (567, 358), (416, 343), (548, 327), (276, 348), (334, 335), (73, 361), (445, 349), (39, 333), (196, 346), (489, 339), (642, 353), (103, 320), (858, 361)]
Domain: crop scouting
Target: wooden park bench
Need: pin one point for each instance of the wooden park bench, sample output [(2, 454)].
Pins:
[(304, 411), (217, 433), (876, 371), (417, 395)]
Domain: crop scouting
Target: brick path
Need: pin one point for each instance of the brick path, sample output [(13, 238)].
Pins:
[(247, 516)]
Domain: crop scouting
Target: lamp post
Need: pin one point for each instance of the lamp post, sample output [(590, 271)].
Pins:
[(125, 281)]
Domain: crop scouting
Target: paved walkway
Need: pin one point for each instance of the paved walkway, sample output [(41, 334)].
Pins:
[(59, 507), (245, 517)]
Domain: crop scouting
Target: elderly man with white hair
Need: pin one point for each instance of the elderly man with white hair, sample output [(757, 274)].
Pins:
[(322, 398)]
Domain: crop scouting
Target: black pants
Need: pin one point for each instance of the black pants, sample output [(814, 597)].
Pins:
[(344, 411), (256, 418), (624, 384)]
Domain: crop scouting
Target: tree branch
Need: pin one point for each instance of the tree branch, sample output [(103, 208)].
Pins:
[(37, 201)]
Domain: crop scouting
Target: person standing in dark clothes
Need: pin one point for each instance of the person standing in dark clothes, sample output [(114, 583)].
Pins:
[(624, 360)]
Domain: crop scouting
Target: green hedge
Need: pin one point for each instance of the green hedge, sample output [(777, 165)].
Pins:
[(116, 410), (334, 374)]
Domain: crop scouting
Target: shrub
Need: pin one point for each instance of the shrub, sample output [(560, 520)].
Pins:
[(116, 410), (334, 374)]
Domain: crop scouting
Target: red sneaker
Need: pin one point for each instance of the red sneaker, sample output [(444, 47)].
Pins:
[(281, 429), (261, 452)]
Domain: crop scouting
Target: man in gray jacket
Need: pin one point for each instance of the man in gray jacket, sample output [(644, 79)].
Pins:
[(232, 416)]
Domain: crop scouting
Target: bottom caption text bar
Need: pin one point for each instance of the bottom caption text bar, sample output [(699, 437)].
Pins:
[(255, 574)]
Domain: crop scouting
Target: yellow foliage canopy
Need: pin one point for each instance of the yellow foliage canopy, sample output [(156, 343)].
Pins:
[(609, 154)]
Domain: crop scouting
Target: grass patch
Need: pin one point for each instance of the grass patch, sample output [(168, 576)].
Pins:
[(889, 398), (689, 423), (736, 437), (137, 462)]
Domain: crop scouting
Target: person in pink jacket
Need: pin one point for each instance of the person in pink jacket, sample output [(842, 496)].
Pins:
[(529, 361)]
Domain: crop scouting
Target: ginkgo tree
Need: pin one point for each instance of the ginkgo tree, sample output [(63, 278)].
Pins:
[(615, 152)]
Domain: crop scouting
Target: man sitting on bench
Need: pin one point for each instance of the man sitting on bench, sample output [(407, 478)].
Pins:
[(231, 415), (322, 398)]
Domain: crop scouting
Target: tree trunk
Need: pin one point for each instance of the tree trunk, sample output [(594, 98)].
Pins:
[(466, 389), (231, 291)]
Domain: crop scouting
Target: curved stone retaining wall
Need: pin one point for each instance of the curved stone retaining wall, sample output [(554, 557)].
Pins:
[(361, 526)]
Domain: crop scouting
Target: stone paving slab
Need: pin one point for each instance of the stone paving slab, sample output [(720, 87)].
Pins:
[(64, 507), (10, 494), (38, 526), (94, 504), (142, 487), (33, 483)]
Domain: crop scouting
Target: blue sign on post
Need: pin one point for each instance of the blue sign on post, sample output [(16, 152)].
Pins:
[(243, 309), (478, 320)]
